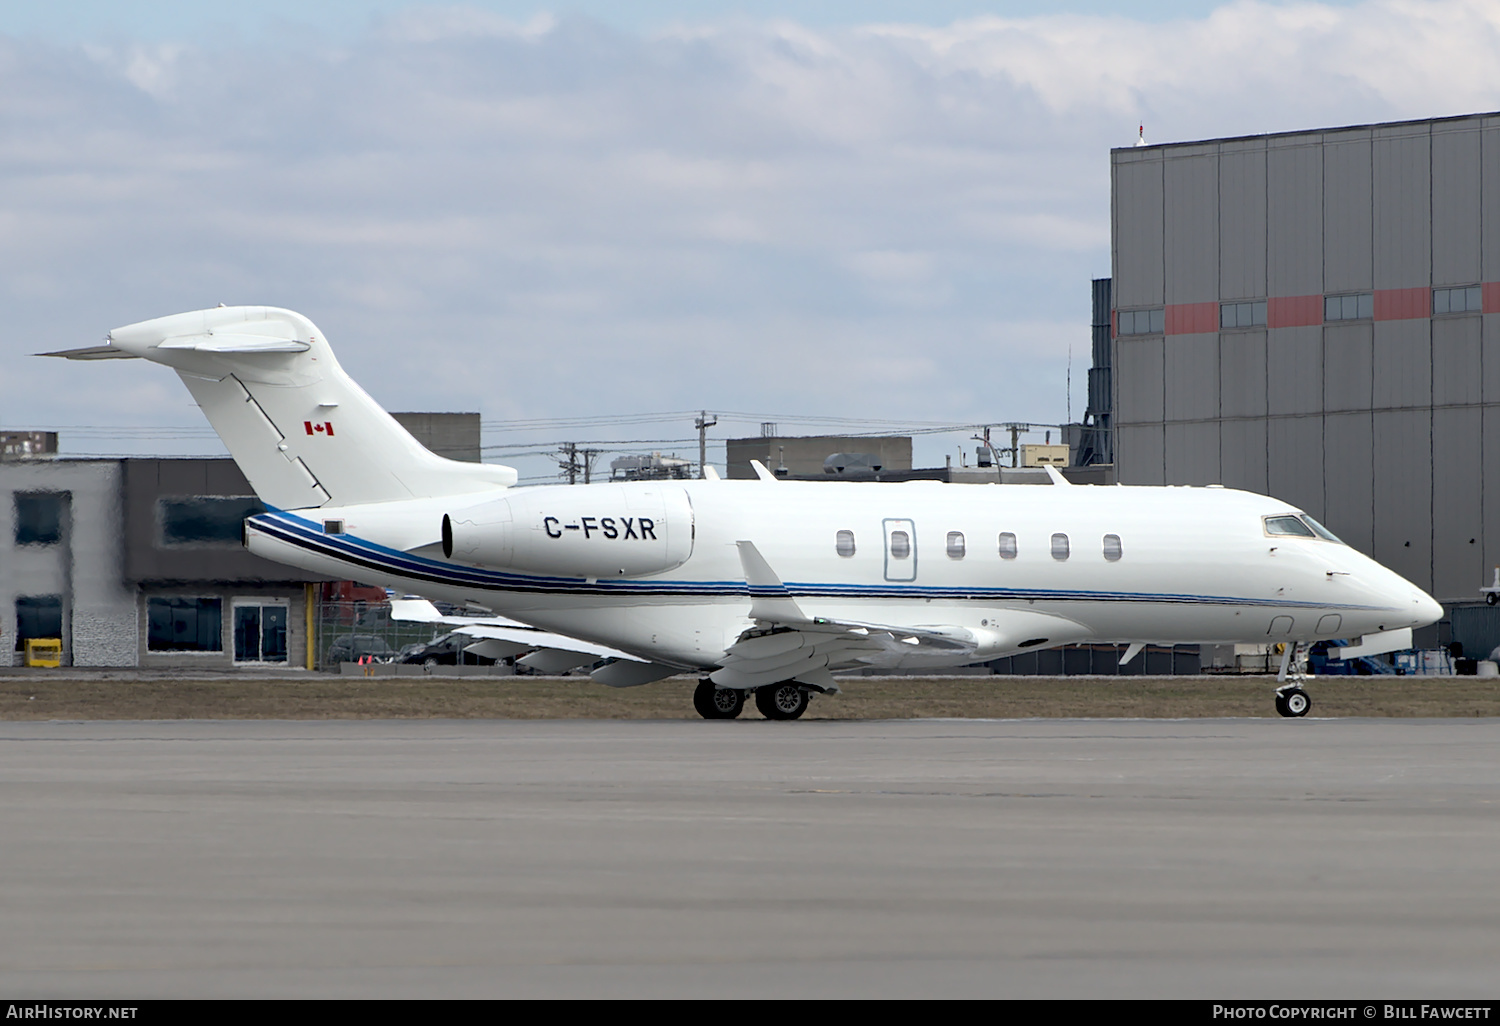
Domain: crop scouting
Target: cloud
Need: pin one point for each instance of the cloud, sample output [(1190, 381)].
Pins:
[(557, 218)]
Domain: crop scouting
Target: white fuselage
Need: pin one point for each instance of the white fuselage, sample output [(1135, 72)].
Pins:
[(1191, 564)]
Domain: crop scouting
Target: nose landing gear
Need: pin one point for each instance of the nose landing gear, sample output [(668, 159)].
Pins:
[(1291, 700)]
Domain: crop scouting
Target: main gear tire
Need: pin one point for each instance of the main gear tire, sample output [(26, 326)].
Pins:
[(716, 703), (785, 701)]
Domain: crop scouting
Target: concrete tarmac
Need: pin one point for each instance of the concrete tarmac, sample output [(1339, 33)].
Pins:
[(1218, 859)]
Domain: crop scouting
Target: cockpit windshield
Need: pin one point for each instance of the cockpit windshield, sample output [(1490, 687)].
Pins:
[(1320, 530), (1302, 526), (1288, 525)]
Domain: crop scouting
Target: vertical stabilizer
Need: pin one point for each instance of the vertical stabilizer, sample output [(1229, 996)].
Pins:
[(299, 427)]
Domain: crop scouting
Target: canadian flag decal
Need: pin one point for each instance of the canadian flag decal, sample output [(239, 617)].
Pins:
[(325, 428)]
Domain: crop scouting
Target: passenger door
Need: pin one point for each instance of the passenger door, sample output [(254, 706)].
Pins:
[(900, 550)]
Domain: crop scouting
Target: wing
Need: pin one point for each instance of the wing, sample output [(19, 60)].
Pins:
[(787, 644), (499, 637)]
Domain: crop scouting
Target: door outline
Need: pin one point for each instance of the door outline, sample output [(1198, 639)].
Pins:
[(905, 568)]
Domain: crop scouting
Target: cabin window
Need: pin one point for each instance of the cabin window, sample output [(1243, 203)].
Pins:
[(955, 545), (900, 545), (1288, 526), (1059, 546), (1007, 545), (843, 543), (1112, 547)]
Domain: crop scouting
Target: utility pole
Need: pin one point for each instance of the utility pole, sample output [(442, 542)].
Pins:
[(589, 455), (702, 423), (570, 461)]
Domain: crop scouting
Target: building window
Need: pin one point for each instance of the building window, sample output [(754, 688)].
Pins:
[(843, 543), (38, 616), (1059, 546), (955, 545), (205, 520), (260, 633), (1242, 315), (1113, 550), (1007, 545), (1143, 322), (184, 624), (900, 545), (1452, 301), (39, 518), (1358, 307)]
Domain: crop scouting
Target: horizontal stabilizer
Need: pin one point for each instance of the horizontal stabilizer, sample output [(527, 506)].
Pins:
[(226, 342), (93, 353)]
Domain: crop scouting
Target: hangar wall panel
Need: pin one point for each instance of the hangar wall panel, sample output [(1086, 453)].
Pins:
[(1138, 378), (1348, 460), (1489, 198), (1457, 518), (1456, 367), (1192, 366), (1402, 371), (1403, 482), (1455, 203), (1242, 222), (1489, 358), (1294, 462), (1191, 242), (1347, 358), (1192, 453), (1347, 229), (1242, 459), (1294, 217), (1294, 370), (1138, 454), (1402, 164), (1138, 219), (1242, 374), (1489, 447)]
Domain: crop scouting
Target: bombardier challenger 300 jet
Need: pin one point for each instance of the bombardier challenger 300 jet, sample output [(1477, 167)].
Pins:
[(765, 587)]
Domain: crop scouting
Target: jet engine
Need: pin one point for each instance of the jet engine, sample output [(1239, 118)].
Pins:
[(599, 531)]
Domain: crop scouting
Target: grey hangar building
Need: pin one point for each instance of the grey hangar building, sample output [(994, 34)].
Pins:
[(1316, 316)]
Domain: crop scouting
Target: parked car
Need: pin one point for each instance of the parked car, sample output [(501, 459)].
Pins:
[(445, 651), (351, 648)]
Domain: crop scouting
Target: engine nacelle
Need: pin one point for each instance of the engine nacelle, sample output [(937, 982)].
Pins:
[(598, 531)]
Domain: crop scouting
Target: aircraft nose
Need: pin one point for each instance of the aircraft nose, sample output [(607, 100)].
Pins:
[(1425, 608)]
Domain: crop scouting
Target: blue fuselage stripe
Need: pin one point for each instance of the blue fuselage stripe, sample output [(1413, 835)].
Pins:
[(351, 549)]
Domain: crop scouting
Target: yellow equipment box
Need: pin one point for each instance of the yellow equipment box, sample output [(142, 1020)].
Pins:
[(43, 651)]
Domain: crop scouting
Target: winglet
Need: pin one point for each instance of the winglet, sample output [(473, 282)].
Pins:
[(769, 599), (710, 472), (1056, 475), (761, 471), (1131, 652)]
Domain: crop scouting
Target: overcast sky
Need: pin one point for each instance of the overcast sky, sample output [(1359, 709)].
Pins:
[(880, 210)]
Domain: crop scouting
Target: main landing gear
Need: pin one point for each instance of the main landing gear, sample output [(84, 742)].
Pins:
[(785, 701), (1291, 700)]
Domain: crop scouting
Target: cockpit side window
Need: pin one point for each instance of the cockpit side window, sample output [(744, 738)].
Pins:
[(1288, 525)]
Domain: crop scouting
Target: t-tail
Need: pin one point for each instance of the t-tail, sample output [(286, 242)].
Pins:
[(298, 426)]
